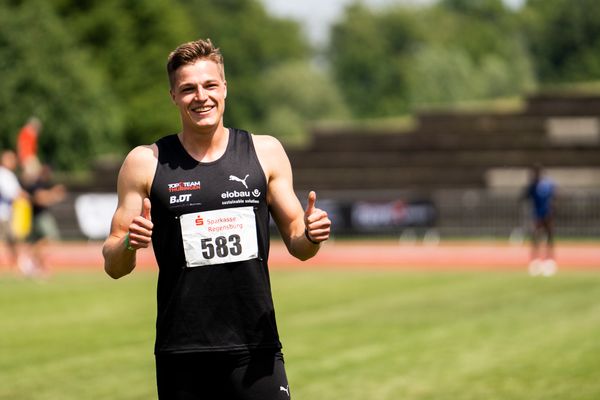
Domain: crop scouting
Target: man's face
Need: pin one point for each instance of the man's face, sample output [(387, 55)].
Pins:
[(199, 91), (9, 160)]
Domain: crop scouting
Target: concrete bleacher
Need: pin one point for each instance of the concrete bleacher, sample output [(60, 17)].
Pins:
[(471, 165), (454, 149)]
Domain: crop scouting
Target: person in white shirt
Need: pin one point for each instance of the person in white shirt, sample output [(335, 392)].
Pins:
[(10, 189)]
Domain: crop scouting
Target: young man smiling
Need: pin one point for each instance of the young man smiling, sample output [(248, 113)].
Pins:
[(216, 331)]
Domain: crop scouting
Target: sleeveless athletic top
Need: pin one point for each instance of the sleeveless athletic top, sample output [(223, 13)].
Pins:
[(211, 242)]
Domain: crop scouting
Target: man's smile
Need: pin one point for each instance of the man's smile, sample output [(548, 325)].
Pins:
[(203, 109)]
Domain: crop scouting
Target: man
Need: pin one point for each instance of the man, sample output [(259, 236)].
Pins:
[(10, 189), (203, 198), (541, 192)]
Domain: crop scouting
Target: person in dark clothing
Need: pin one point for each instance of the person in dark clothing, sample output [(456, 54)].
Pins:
[(541, 193), (43, 193), (203, 198)]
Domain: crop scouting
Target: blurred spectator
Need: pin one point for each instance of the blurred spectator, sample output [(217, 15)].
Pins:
[(27, 144), (44, 193), (541, 192), (10, 189)]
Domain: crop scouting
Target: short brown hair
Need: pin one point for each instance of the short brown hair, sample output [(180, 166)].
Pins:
[(189, 53)]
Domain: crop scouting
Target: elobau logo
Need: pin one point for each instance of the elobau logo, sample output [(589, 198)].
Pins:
[(199, 220), (235, 194), (241, 194)]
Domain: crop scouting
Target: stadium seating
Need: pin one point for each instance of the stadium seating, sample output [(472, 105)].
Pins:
[(451, 149), (471, 165)]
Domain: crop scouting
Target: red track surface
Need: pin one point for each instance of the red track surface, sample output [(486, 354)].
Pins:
[(367, 254)]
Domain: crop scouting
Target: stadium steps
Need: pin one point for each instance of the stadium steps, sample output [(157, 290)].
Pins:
[(563, 104), (416, 141), (448, 149), (388, 178), (439, 158)]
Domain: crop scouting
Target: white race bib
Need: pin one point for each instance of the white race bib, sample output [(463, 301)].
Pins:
[(219, 236)]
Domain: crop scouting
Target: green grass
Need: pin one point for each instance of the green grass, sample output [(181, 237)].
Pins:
[(347, 335)]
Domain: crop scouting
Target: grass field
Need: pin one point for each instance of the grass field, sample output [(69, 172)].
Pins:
[(347, 335)]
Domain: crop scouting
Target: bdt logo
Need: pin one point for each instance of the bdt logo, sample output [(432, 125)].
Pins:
[(182, 198)]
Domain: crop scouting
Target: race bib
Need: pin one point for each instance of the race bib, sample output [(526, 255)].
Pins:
[(219, 236)]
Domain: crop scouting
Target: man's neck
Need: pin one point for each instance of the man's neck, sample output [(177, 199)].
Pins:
[(205, 145)]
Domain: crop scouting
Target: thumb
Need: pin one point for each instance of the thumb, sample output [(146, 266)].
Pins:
[(312, 199), (146, 209)]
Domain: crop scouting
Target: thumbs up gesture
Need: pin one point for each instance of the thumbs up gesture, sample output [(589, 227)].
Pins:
[(316, 222), (140, 230)]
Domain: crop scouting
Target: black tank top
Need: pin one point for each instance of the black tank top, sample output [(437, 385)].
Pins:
[(222, 306)]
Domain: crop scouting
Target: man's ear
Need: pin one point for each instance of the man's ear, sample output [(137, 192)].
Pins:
[(172, 96), (225, 83)]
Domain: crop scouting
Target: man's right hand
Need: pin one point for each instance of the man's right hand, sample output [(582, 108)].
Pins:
[(140, 229)]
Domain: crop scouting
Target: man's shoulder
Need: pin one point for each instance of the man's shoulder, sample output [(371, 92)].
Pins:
[(7, 175), (143, 157), (266, 142), (143, 152)]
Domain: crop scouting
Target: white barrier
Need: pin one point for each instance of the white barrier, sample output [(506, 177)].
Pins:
[(94, 213)]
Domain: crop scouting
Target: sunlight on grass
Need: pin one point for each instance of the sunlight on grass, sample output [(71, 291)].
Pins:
[(354, 335)]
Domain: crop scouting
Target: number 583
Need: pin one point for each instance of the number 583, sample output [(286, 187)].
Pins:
[(221, 246)]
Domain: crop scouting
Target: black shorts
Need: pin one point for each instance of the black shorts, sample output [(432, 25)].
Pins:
[(256, 375)]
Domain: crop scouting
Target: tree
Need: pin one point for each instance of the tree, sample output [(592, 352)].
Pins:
[(391, 61), (130, 41), (299, 94), (479, 27), (475, 52), (564, 38), (44, 74), (442, 76), (368, 54)]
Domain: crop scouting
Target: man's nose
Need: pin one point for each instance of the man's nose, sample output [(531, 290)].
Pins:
[(201, 94)]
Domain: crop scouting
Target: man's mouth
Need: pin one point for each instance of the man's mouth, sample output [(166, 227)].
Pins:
[(201, 109)]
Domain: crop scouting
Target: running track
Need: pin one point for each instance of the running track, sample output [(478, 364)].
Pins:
[(361, 255)]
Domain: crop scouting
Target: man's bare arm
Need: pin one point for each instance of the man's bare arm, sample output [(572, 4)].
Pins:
[(301, 230), (131, 227)]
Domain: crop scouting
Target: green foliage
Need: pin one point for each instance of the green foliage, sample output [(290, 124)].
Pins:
[(299, 93), (450, 75), (99, 82), (478, 53), (487, 11), (44, 74), (392, 61), (564, 38), (130, 40), (368, 53), (479, 27)]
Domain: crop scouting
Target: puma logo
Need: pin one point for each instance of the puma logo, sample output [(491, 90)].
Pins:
[(286, 390), (242, 181)]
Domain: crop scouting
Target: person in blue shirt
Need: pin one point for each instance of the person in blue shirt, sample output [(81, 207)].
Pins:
[(541, 192)]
